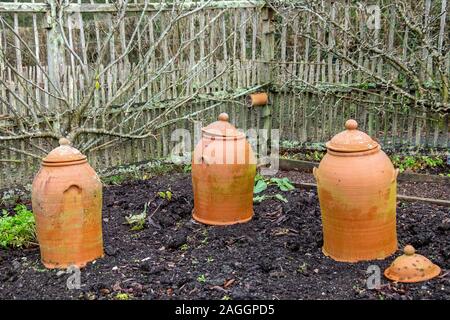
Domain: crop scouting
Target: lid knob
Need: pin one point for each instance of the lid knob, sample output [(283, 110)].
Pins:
[(64, 142), (351, 124), (223, 116), (409, 250)]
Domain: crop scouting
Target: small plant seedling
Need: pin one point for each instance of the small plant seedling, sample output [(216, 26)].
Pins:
[(201, 278), (137, 221), (209, 259), (262, 183), (19, 230), (259, 199), (226, 297), (302, 268), (281, 198), (184, 247), (283, 183), (116, 179), (122, 296), (165, 195)]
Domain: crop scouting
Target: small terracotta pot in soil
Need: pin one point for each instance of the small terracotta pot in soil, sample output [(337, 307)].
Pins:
[(257, 99), (223, 172), (357, 188), (67, 203)]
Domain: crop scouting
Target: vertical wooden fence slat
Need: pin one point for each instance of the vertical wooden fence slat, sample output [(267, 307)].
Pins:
[(252, 53), (443, 121)]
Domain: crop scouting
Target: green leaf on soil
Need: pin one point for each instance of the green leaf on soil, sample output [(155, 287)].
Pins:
[(283, 183), (281, 198), (260, 186), (259, 199)]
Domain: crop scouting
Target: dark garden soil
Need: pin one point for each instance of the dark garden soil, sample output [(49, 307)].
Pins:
[(434, 190), (277, 255)]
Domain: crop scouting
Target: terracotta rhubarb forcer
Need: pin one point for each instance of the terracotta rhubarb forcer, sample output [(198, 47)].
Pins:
[(67, 203), (411, 267), (223, 172), (257, 99), (357, 187)]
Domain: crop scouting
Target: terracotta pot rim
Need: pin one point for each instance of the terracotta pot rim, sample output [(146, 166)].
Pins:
[(220, 223), (217, 136), (362, 149), (81, 264), (354, 153), (64, 163), (356, 260)]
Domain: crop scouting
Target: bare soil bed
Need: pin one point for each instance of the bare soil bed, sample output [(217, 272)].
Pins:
[(277, 255)]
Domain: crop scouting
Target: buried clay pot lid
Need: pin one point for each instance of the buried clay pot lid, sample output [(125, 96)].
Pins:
[(351, 140), (411, 267), (222, 128), (64, 153)]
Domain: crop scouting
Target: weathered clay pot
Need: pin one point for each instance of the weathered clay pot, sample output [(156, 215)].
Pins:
[(357, 186), (257, 99), (223, 172), (67, 203)]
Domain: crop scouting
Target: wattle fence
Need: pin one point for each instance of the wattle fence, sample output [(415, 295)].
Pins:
[(118, 77)]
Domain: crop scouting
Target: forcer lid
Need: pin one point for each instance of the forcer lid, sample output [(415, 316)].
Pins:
[(351, 140), (222, 128), (64, 153), (411, 267)]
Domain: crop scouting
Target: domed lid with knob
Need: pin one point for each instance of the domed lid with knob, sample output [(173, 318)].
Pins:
[(222, 128), (63, 154), (351, 140), (411, 267)]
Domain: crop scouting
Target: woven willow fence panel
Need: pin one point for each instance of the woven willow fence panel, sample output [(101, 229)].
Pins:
[(117, 78)]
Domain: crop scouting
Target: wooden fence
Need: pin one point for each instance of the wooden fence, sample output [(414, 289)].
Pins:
[(163, 66)]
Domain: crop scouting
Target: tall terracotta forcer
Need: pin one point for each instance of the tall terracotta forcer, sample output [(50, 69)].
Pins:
[(357, 186), (67, 203), (223, 173)]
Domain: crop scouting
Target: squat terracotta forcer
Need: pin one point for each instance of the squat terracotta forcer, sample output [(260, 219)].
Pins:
[(67, 203), (357, 192), (223, 172)]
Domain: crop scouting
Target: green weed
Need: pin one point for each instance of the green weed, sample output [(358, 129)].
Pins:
[(165, 195), (416, 163), (261, 184), (137, 221), (201, 278), (18, 230), (123, 296)]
